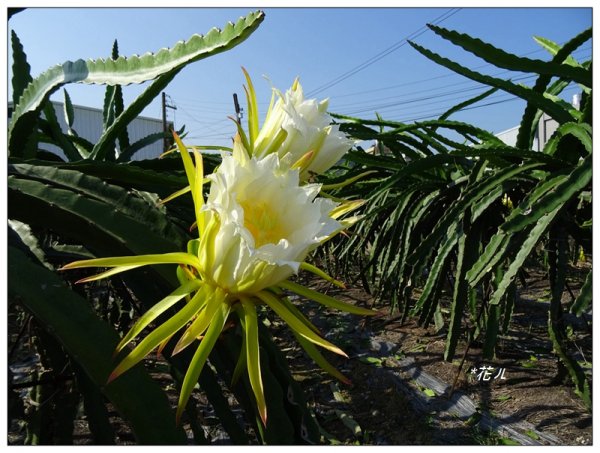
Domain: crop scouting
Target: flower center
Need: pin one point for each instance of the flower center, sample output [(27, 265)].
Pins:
[(263, 222)]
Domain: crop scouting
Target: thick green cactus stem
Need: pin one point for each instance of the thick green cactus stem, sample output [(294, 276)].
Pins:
[(122, 71)]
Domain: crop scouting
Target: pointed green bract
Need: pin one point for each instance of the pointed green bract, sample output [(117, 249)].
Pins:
[(176, 194), (241, 135), (197, 191), (242, 358), (108, 273), (297, 313), (253, 357), (304, 161), (348, 181), (318, 272), (345, 207), (295, 324), (276, 144), (137, 261), (252, 110), (199, 359), (188, 164), (214, 298), (316, 355), (324, 299), (154, 338), (157, 310)]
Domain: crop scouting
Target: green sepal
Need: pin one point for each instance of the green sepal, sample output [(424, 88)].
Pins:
[(296, 324), (324, 299), (129, 262), (203, 319), (252, 110), (156, 337), (157, 310), (253, 357), (316, 355), (318, 272), (193, 373)]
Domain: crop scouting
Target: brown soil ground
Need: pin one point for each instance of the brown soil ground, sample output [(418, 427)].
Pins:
[(529, 390)]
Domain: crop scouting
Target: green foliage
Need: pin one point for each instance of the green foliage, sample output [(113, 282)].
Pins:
[(463, 218)]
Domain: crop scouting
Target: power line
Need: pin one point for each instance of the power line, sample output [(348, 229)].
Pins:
[(442, 76), (473, 86), (438, 113), (204, 124), (432, 94), (362, 106), (438, 110), (436, 96), (507, 98), (198, 106), (382, 54)]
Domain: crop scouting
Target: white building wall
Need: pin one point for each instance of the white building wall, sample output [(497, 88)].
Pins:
[(509, 137), (87, 123), (546, 127)]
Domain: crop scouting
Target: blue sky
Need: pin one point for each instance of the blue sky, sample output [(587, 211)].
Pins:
[(316, 44)]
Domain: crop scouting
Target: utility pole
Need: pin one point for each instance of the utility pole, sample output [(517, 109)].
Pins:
[(238, 110), (164, 121)]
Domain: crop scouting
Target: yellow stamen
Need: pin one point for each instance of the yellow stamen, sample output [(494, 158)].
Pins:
[(264, 224)]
